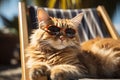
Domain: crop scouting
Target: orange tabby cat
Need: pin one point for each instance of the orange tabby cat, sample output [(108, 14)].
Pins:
[(55, 51)]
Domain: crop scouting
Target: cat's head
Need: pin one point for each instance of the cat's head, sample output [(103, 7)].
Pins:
[(58, 33)]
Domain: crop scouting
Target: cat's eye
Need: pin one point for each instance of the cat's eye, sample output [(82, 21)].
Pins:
[(70, 32), (53, 30)]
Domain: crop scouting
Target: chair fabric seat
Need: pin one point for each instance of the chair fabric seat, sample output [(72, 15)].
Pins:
[(91, 26)]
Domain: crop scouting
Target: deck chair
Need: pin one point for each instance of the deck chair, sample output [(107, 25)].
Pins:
[(96, 22)]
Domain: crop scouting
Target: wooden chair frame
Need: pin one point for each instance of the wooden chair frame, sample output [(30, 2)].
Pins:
[(24, 31)]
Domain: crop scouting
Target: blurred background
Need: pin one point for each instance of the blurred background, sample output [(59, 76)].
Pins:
[(10, 67)]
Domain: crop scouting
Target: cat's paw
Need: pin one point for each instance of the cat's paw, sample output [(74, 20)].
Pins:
[(65, 72), (39, 71), (58, 73)]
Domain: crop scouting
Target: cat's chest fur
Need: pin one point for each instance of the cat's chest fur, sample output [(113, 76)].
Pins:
[(68, 55)]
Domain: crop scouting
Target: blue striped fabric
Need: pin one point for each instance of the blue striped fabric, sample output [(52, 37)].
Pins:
[(91, 26)]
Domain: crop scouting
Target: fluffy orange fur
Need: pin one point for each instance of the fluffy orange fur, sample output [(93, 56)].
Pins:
[(67, 59), (104, 57)]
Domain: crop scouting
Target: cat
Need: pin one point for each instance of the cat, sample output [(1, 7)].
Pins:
[(55, 51), (103, 55)]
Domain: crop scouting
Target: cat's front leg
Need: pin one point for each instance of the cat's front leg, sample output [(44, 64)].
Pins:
[(38, 71), (66, 72)]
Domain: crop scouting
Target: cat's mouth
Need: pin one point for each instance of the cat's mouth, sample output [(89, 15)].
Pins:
[(58, 44)]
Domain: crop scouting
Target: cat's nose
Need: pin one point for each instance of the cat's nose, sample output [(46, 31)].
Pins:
[(62, 38)]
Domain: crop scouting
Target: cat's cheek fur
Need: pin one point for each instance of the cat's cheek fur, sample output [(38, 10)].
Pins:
[(35, 37)]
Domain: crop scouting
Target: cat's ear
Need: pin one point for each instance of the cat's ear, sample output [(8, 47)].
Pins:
[(77, 19), (42, 15)]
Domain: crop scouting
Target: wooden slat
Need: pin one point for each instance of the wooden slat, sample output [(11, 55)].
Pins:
[(23, 29), (108, 22), (23, 36)]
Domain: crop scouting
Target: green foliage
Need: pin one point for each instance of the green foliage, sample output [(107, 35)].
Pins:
[(12, 25), (51, 3), (64, 4)]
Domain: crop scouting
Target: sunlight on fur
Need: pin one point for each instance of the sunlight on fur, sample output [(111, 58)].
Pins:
[(56, 52)]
